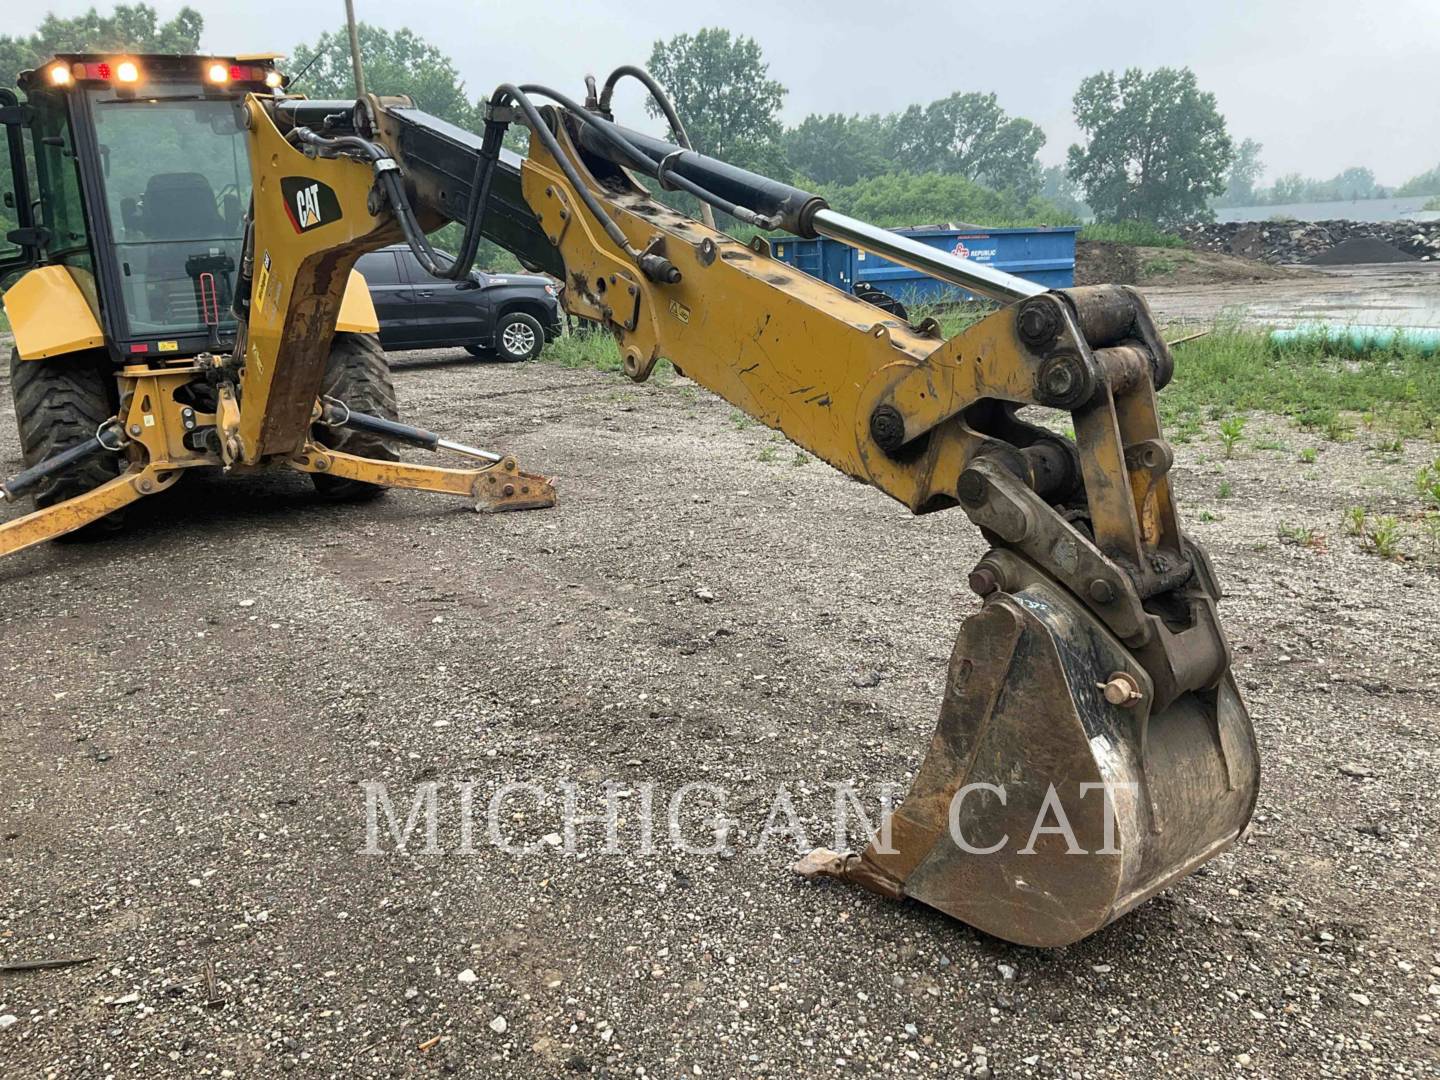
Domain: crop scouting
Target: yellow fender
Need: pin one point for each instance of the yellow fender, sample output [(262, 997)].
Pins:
[(357, 310), (50, 313)]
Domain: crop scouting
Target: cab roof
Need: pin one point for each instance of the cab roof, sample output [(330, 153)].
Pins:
[(97, 68)]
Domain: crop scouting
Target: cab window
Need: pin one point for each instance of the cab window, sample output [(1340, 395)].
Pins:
[(176, 175)]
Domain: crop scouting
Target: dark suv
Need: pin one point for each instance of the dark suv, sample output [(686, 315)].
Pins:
[(509, 315)]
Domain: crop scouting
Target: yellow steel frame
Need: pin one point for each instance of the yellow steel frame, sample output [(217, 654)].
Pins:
[(304, 286)]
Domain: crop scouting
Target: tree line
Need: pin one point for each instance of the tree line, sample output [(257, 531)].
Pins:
[(1156, 148)]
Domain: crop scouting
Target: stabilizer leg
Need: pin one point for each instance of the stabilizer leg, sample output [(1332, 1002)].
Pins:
[(80, 511), (496, 488)]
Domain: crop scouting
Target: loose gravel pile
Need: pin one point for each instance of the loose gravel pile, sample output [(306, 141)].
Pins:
[(1302, 241), (191, 711)]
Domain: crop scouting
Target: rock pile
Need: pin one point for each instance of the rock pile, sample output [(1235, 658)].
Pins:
[(1302, 241)]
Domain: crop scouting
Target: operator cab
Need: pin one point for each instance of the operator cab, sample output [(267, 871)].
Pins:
[(143, 184)]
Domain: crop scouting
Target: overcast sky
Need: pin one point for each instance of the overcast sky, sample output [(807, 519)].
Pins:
[(1323, 84)]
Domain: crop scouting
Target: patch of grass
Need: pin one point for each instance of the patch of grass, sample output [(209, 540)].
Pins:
[(767, 454), (1158, 266), (1226, 490), (740, 420), (1355, 520), (1431, 524), (1236, 371), (1309, 455), (1383, 537), (1302, 536), (1392, 446), (1271, 444), (1427, 483), (801, 458), (1338, 429), (1231, 432), (1207, 517), (953, 318), (1131, 233), (584, 349)]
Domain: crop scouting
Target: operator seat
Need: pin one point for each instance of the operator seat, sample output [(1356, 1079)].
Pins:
[(181, 206), (177, 206)]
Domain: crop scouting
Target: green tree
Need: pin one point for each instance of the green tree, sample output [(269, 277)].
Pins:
[(1356, 182), (398, 62), (1245, 173), (969, 134), (838, 149), (903, 199), (1059, 190), (129, 28), (402, 62), (722, 91), (1427, 183), (1157, 148)]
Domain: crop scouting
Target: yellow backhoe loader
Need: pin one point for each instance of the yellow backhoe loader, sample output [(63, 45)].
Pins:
[(188, 298)]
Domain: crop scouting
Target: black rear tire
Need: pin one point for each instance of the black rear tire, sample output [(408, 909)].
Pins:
[(59, 403), (358, 374), (518, 336)]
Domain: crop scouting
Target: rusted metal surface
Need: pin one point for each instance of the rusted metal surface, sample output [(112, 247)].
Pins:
[(1027, 712)]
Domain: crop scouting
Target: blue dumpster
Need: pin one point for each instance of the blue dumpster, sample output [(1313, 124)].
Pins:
[(1043, 254)]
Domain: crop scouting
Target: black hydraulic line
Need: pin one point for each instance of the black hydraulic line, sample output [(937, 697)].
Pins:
[(539, 129), (387, 175), (479, 198), (662, 99), (616, 138)]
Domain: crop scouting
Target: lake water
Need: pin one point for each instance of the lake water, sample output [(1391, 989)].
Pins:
[(1353, 210)]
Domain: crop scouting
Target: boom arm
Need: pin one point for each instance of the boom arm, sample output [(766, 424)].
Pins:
[(1097, 661)]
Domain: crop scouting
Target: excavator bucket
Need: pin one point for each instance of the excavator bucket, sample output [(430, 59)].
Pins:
[(1052, 800)]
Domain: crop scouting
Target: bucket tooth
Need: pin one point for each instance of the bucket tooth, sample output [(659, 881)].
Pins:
[(1037, 814)]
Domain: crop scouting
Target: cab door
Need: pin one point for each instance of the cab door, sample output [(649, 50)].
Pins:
[(447, 312), (19, 240)]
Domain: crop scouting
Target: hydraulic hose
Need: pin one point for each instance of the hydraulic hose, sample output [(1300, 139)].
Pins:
[(619, 142), (658, 95)]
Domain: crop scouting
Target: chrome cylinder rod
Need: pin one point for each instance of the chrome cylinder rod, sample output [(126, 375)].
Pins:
[(979, 279)]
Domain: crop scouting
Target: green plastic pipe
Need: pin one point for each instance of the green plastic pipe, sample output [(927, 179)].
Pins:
[(1361, 339)]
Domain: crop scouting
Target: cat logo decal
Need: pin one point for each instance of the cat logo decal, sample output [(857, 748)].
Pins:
[(309, 203)]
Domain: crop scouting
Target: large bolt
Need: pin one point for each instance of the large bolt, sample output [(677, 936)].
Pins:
[(983, 581), (1121, 689), (1038, 323), (887, 428), (1062, 381), (973, 488), (1102, 592)]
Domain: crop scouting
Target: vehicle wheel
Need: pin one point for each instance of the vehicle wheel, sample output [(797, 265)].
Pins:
[(883, 300), (519, 337), (60, 402), (358, 374)]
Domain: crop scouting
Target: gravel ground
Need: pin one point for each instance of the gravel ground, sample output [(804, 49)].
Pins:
[(193, 706)]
